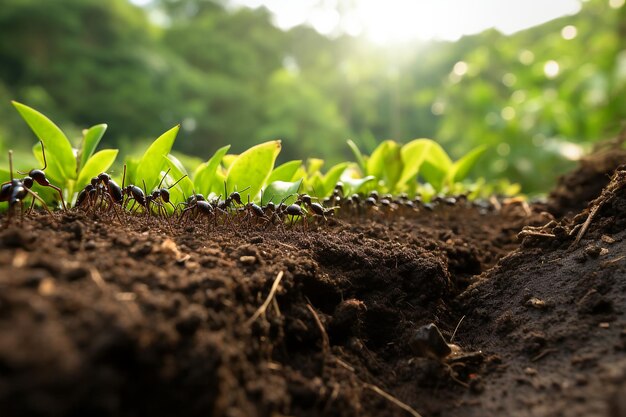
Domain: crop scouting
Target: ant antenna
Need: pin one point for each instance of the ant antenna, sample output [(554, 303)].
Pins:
[(43, 152), (179, 180), (45, 163), (164, 175), (124, 176), (315, 192), (11, 164), (285, 199)]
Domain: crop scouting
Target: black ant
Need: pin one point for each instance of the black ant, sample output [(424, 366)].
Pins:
[(294, 210), (100, 187), (253, 210), (234, 196), (320, 211), (162, 194), (197, 204), (16, 190), (39, 176)]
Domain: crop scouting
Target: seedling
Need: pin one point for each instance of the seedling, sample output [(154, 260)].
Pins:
[(391, 168)]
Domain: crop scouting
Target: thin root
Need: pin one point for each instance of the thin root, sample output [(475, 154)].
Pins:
[(325, 340), (393, 399), (267, 301)]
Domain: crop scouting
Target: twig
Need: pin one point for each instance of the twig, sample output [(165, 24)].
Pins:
[(344, 364), (97, 278), (525, 233), (587, 223), (325, 340), (456, 328), (544, 353), (267, 301), (613, 261), (393, 399)]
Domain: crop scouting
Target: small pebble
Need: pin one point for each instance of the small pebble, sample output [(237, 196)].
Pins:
[(428, 341), (256, 240), (247, 260)]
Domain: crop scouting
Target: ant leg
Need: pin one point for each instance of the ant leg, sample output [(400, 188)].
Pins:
[(35, 195), (30, 209), (58, 190), (112, 206)]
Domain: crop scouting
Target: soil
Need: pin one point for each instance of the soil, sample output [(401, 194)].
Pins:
[(143, 317)]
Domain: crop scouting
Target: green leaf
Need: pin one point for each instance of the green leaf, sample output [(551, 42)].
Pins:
[(331, 178), (228, 159), (313, 165), (152, 162), (98, 163), (4, 175), (132, 165), (91, 138), (354, 185), (315, 185), (358, 155), (185, 187), (463, 166), (279, 190), (252, 168), (205, 178), (436, 166), (59, 152), (413, 155), (284, 172), (385, 163)]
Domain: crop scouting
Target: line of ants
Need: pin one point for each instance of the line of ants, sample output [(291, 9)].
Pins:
[(103, 194)]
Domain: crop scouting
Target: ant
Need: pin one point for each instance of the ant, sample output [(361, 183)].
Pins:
[(234, 196), (253, 210), (197, 205), (15, 190), (162, 194), (40, 176), (101, 186), (320, 211), (294, 210)]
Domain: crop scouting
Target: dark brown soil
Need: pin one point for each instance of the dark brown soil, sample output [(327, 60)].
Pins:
[(576, 189), (100, 318)]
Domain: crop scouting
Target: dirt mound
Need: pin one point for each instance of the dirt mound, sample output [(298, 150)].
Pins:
[(149, 317), (146, 318), (576, 189), (554, 313)]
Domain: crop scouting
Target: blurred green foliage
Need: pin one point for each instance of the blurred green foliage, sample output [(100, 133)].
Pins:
[(230, 77)]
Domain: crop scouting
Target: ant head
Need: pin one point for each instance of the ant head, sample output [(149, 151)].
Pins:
[(104, 177), (236, 197), (28, 182)]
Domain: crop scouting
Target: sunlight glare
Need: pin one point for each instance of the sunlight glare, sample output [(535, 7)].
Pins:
[(551, 69), (394, 21), (569, 32)]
